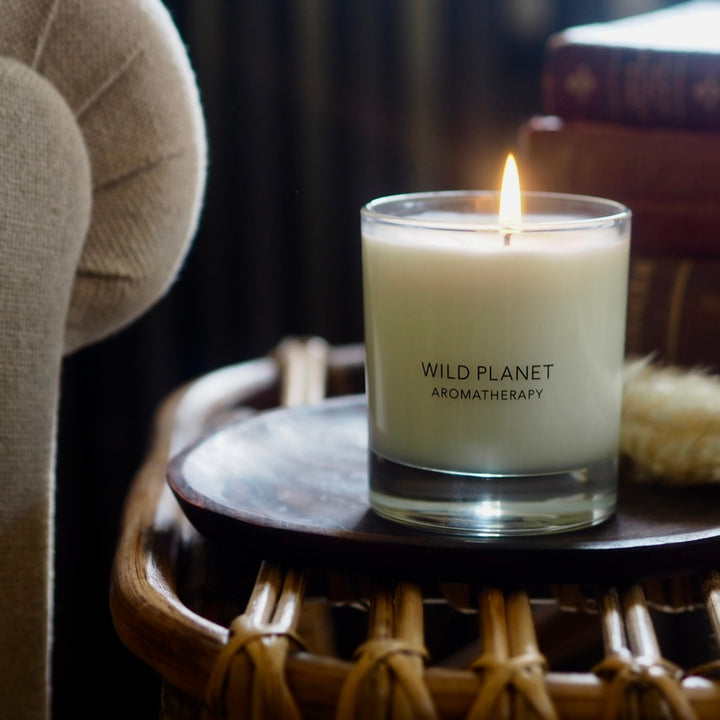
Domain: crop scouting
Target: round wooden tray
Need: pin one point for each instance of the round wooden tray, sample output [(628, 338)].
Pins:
[(290, 485)]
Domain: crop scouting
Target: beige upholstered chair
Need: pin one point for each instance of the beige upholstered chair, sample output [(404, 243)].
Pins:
[(102, 169)]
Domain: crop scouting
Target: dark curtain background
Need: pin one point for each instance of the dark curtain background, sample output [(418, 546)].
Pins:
[(313, 108)]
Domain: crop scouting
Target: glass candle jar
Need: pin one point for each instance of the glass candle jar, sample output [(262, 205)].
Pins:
[(494, 360)]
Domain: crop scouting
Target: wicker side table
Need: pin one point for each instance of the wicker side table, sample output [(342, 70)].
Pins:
[(235, 636)]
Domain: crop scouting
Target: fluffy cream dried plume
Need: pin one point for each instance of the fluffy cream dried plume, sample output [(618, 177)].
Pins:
[(670, 423)]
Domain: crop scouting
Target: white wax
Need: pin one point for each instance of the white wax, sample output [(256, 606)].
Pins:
[(491, 358)]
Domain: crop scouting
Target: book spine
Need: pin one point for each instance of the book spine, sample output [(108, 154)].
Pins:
[(674, 310), (634, 87), (668, 178)]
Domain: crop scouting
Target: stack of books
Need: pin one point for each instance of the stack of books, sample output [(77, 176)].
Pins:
[(632, 113)]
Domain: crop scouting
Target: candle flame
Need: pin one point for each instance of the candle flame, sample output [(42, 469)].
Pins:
[(510, 205)]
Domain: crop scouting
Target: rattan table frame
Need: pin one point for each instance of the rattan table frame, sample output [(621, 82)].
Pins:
[(233, 636)]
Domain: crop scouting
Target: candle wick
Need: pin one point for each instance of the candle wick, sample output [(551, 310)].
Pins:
[(507, 238)]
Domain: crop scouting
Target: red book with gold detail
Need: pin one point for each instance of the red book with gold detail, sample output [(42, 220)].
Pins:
[(660, 69)]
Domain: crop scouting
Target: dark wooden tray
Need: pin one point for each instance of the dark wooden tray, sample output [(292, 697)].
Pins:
[(290, 485)]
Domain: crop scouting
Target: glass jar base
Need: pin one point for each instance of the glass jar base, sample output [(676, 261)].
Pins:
[(493, 505)]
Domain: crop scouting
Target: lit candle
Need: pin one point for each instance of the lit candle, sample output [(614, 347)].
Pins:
[(495, 343)]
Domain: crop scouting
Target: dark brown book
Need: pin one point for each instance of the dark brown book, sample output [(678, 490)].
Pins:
[(659, 69), (674, 310), (670, 179)]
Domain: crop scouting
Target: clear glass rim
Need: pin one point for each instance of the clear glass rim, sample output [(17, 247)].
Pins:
[(607, 213)]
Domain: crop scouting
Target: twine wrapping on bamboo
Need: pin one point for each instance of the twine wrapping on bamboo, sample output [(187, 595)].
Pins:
[(511, 668), (639, 680), (383, 670), (387, 677), (625, 673), (248, 677), (248, 680)]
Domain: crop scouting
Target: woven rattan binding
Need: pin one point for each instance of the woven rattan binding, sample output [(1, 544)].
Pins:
[(233, 640)]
